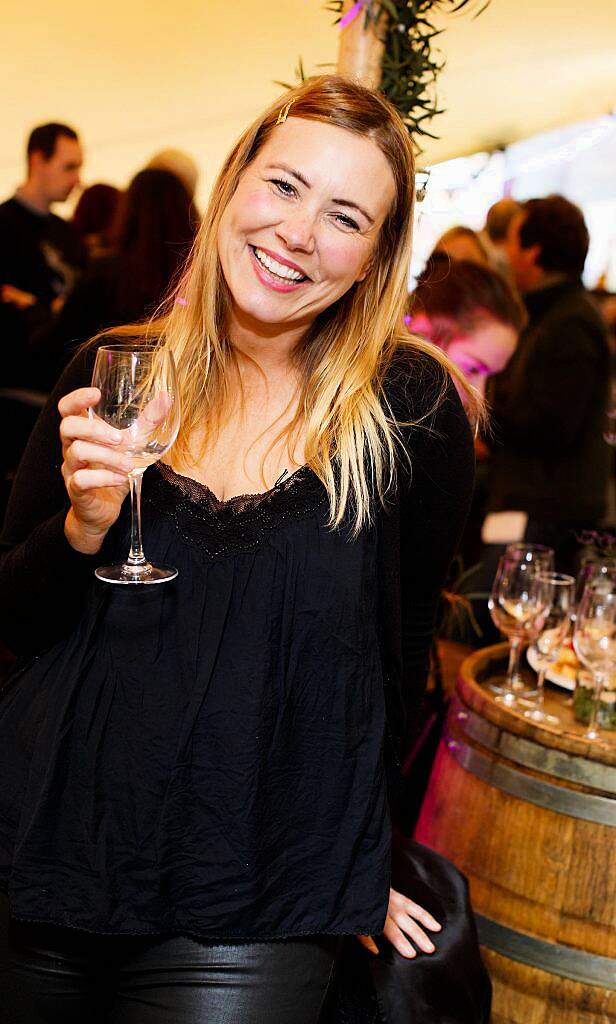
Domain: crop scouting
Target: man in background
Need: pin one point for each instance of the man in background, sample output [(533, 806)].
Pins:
[(40, 254), (495, 232), (550, 460)]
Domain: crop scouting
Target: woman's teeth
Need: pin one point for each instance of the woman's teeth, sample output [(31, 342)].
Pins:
[(276, 268)]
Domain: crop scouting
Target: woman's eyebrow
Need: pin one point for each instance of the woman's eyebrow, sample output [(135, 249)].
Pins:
[(304, 181)]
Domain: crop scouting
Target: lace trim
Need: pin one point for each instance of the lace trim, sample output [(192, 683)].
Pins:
[(221, 528)]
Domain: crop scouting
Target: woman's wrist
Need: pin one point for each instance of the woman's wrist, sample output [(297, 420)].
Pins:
[(87, 542)]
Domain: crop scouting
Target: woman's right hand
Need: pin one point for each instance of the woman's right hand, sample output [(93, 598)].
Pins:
[(95, 472)]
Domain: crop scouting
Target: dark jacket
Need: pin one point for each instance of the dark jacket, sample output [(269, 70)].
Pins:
[(41, 254), (550, 459)]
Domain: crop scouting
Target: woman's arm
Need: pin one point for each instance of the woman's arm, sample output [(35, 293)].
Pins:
[(434, 508), (43, 579), (434, 503)]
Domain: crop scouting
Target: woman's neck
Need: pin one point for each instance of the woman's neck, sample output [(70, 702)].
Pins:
[(271, 347)]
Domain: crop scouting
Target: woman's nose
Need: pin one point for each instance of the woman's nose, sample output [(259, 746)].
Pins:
[(297, 231)]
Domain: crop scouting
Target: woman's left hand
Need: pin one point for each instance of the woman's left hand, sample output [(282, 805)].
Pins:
[(401, 925)]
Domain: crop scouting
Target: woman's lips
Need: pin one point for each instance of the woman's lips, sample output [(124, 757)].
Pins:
[(271, 280)]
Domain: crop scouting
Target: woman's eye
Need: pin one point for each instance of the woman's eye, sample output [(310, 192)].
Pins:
[(347, 222), (284, 187)]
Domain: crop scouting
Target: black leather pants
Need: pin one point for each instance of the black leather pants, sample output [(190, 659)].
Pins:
[(55, 976)]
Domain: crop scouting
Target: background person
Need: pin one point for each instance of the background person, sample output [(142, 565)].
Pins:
[(471, 312), (94, 218), (40, 254), (177, 162), (462, 243), (549, 459), (208, 756), (494, 235), (154, 230)]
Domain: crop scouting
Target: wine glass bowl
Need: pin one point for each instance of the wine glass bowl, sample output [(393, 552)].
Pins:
[(517, 605), (539, 555), (558, 593), (139, 397), (594, 639)]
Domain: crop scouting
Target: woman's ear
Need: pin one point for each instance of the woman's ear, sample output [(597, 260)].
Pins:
[(366, 269)]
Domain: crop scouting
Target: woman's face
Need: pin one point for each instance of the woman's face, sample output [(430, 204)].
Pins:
[(478, 353), (303, 223)]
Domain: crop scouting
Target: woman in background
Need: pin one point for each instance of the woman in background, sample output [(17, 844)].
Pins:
[(154, 230), (94, 218), (471, 312), (462, 243)]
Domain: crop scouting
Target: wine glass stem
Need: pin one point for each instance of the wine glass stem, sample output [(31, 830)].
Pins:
[(136, 556), (540, 690), (514, 664), (592, 730)]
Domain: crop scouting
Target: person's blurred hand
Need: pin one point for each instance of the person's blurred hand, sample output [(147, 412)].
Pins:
[(16, 297)]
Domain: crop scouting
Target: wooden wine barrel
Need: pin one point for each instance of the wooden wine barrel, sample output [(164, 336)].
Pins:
[(528, 813)]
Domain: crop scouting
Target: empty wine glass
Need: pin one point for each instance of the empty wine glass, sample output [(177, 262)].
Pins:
[(594, 640), (558, 594), (594, 568), (139, 397), (542, 558), (535, 554), (517, 604)]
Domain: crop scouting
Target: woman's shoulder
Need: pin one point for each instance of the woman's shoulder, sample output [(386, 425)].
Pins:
[(415, 383)]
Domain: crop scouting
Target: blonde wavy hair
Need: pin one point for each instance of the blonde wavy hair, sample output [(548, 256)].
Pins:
[(350, 431)]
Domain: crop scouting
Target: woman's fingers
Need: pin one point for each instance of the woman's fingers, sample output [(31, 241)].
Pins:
[(414, 910), (73, 427), (398, 939), (413, 931), (81, 452), (83, 480), (403, 925), (78, 401), (369, 943)]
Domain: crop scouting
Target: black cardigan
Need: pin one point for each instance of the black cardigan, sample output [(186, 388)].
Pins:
[(43, 580)]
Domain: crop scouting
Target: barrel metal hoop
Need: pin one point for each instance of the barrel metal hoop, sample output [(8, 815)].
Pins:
[(586, 806), (576, 964), (533, 755)]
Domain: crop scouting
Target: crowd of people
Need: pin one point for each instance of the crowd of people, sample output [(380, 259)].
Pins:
[(199, 781)]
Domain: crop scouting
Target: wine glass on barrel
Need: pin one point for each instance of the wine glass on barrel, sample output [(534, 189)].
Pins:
[(517, 605), (542, 558), (558, 592), (138, 397), (594, 641)]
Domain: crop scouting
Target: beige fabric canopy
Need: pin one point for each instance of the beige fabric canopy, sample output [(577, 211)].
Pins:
[(135, 77)]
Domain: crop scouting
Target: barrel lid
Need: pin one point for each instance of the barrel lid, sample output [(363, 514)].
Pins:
[(475, 673)]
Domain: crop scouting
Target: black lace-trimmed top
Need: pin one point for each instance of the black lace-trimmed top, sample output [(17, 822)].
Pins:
[(238, 524), (205, 757)]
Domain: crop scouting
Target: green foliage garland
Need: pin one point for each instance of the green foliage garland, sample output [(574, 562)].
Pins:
[(410, 65)]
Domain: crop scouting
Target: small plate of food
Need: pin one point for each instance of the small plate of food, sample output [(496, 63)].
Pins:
[(563, 671)]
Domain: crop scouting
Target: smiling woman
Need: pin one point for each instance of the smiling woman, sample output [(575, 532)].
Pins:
[(193, 778)]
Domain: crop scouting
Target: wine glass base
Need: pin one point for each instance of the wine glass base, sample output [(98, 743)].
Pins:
[(507, 698), (536, 715), (129, 575), (520, 689)]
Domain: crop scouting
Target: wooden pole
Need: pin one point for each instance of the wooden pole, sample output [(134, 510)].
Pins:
[(360, 54)]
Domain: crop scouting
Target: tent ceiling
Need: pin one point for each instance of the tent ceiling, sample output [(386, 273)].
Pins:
[(134, 76)]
